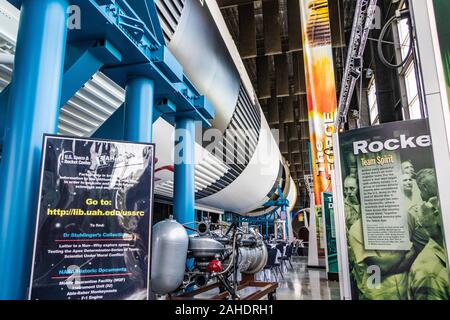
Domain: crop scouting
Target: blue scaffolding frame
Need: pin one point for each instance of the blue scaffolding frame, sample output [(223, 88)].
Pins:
[(124, 40)]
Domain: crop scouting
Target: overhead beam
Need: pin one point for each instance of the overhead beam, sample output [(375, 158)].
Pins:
[(288, 110), (247, 31), (263, 77), (282, 75), (298, 65), (294, 25), (337, 23), (272, 27)]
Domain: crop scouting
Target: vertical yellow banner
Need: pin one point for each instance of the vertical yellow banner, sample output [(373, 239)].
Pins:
[(321, 90)]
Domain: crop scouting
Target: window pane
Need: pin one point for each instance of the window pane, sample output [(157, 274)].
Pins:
[(411, 83), (414, 110), (403, 31), (372, 97)]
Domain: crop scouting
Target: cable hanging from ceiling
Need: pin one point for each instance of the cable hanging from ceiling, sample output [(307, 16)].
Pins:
[(398, 16)]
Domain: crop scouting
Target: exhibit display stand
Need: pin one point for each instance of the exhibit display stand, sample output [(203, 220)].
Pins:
[(389, 210)]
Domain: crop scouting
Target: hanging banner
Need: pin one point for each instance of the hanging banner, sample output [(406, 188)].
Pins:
[(392, 213), (321, 95), (94, 218), (328, 214)]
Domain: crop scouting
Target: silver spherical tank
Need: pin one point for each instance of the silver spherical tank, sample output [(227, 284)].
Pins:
[(204, 247), (169, 251)]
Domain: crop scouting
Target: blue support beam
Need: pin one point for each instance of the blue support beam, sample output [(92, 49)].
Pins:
[(175, 97), (146, 10), (139, 100), (184, 170), (310, 158), (281, 202), (118, 21), (33, 110), (36, 94), (82, 62)]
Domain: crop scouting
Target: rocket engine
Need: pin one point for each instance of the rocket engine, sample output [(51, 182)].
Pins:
[(216, 254)]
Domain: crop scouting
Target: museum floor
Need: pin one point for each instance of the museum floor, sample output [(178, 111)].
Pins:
[(302, 283)]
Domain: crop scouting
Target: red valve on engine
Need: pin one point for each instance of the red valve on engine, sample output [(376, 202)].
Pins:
[(214, 266)]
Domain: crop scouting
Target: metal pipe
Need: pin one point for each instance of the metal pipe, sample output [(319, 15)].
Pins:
[(184, 171), (33, 110), (138, 116)]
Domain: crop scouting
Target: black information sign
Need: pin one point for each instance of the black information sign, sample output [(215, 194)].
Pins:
[(94, 217)]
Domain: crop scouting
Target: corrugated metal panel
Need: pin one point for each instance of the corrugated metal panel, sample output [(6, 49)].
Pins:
[(236, 153), (169, 12), (91, 106)]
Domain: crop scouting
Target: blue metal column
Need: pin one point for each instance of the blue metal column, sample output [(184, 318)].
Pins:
[(33, 111), (138, 117), (184, 170)]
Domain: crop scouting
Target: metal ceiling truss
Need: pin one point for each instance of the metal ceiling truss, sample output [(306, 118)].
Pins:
[(362, 24)]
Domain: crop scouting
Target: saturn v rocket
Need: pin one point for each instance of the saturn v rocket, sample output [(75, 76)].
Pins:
[(196, 34)]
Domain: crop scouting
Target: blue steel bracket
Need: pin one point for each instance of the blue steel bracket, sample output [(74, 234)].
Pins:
[(133, 26), (171, 113), (130, 21), (106, 52), (119, 23), (146, 10), (280, 202), (139, 17), (151, 18), (83, 60), (172, 99), (169, 66)]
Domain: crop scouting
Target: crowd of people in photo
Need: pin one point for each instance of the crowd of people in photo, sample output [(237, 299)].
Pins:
[(419, 273)]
